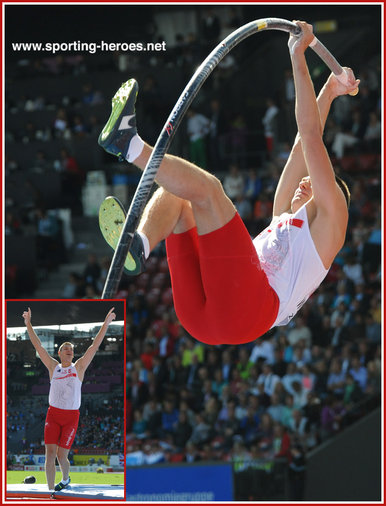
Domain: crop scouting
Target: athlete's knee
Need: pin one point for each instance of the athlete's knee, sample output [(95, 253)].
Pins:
[(216, 185), (62, 454), (213, 191), (186, 219), (50, 453)]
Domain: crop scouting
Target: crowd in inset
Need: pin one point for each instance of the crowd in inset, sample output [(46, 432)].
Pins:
[(102, 415), (102, 428)]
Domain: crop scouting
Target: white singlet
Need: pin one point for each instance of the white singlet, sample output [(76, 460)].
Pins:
[(289, 258), (65, 388)]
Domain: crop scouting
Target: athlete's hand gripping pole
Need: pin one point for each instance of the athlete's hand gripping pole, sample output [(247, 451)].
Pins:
[(204, 70), (340, 73)]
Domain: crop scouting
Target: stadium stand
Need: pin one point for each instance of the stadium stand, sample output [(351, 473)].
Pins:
[(260, 406)]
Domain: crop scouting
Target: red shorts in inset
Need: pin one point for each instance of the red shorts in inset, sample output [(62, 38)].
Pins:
[(221, 294), (61, 426)]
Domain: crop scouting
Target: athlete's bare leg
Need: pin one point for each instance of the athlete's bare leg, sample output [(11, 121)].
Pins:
[(64, 463), (49, 465), (165, 213), (211, 208)]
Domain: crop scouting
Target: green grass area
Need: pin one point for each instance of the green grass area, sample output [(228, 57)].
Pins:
[(14, 477)]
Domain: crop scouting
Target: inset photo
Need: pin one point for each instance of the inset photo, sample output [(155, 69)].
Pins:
[(65, 406)]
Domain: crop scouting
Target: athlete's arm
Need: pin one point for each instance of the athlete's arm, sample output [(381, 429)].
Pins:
[(325, 191), (296, 168), (83, 362), (47, 360)]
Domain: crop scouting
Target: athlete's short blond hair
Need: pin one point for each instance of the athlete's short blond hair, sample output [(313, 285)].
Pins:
[(64, 344)]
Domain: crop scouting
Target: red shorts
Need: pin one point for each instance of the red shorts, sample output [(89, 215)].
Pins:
[(221, 294), (60, 427)]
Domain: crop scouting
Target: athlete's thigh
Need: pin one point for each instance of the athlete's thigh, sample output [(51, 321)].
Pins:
[(68, 431), (52, 430)]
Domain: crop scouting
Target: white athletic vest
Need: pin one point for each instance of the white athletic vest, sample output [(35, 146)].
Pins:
[(65, 388), (289, 258)]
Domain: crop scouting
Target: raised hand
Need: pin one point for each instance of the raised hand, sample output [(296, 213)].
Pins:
[(110, 316), (338, 88), (299, 43), (27, 316)]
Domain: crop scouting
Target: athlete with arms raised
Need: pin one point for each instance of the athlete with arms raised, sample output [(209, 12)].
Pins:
[(227, 288), (64, 398)]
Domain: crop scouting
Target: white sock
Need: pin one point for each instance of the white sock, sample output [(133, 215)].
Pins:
[(66, 481), (146, 244), (135, 148)]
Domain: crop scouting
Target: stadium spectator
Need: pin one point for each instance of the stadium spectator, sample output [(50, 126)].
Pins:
[(276, 408), (263, 349), (182, 431), (233, 182), (299, 331), (169, 417), (198, 127), (250, 427), (358, 372), (201, 431), (270, 123), (268, 379), (352, 392)]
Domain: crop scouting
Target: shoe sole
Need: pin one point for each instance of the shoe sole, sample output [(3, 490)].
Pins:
[(112, 216), (118, 104)]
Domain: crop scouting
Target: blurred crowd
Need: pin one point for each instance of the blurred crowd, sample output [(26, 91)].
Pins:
[(301, 384)]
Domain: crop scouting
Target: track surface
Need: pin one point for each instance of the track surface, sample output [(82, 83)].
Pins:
[(74, 492)]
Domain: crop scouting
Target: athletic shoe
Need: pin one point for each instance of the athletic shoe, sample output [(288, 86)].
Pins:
[(61, 486), (121, 126), (112, 216), (29, 479)]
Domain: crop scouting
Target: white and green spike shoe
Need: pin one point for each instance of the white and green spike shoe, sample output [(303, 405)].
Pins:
[(112, 216), (121, 126)]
